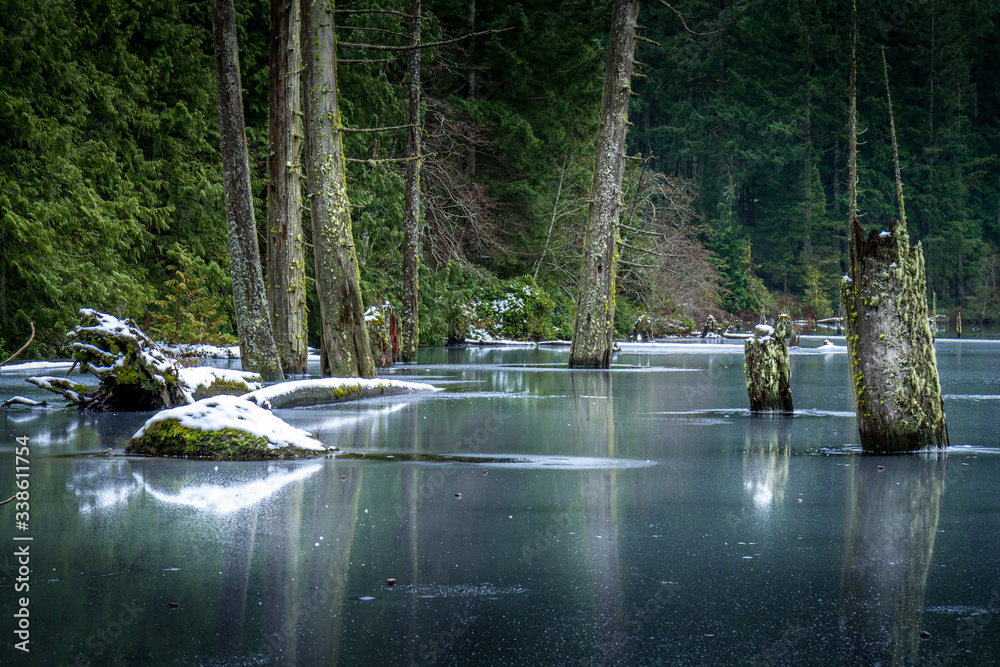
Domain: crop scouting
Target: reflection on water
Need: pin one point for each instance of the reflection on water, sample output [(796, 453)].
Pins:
[(529, 514), (894, 507), (766, 459)]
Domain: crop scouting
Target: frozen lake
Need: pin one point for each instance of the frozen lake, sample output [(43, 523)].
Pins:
[(530, 515)]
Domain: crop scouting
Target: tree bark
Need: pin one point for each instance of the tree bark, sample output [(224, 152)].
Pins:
[(897, 394), (259, 353), (286, 273), (345, 345), (411, 215), (595, 307), (768, 370)]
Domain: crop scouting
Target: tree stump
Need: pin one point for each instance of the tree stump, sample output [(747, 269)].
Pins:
[(890, 350), (767, 371), (711, 326), (134, 372), (383, 332)]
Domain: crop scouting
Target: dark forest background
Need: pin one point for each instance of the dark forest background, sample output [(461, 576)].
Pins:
[(111, 195)]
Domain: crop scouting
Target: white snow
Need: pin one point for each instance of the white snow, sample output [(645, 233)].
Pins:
[(38, 365), (222, 412), (268, 394), (883, 235), (203, 376), (847, 279), (764, 330)]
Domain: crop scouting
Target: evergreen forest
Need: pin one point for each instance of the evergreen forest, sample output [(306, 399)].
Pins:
[(735, 191)]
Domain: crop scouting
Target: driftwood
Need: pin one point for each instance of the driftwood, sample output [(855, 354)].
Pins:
[(134, 372), (21, 400), (767, 371)]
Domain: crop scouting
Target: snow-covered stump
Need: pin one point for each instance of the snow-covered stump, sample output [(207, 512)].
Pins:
[(222, 428), (711, 326), (767, 371), (134, 372), (785, 330), (383, 334), (893, 367)]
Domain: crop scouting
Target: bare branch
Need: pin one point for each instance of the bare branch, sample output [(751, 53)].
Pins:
[(365, 61), (684, 23), (367, 130), (372, 11), (648, 40), (413, 47), (382, 160), (31, 338)]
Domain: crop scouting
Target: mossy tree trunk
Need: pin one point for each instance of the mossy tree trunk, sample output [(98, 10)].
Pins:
[(768, 371), (345, 345), (411, 216), (890, 350), (595, 306), (257, 347), (897, 393), (286, 273)]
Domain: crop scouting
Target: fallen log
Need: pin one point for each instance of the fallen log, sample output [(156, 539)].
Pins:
[(305, 393)]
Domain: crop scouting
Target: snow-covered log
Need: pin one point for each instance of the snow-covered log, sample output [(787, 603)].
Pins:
[(767, 371), (304, 393)]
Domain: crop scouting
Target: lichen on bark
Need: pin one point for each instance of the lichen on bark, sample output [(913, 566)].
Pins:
[(890, 349), (345, 346), (595, 307), (768, 371)]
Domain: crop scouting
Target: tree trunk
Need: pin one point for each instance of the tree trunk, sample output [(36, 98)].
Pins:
[(768, 370), (595, 307), (286, 273), (259, 353), (897, 395), (345, 345), (411, 216)]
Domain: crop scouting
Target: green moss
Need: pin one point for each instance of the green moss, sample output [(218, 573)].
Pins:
[(169, 438)]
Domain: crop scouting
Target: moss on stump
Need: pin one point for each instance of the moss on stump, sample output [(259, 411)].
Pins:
[(767, 371)]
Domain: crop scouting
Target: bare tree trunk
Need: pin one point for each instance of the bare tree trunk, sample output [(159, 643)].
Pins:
[(897, 394), (595, 307), (345, 344), (411, 216), (286, 272), (259, 353)]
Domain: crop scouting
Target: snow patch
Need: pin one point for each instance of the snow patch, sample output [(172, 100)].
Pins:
[(222, 412), (883, 235), (202, 377)]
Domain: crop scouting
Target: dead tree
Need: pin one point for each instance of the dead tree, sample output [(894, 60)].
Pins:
[(286, 272), (257, 348), (595, 306), (411, 215), (346, 351), (897, 393), (768, 370)]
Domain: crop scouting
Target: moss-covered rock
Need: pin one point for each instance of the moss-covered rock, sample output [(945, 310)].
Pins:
[(169, 438), (224, 428)]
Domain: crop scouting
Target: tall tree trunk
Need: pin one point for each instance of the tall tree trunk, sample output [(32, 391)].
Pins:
[(259, 353), (411, 215), (286, 272), (346, 349), (595, 307), (897, 394)]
